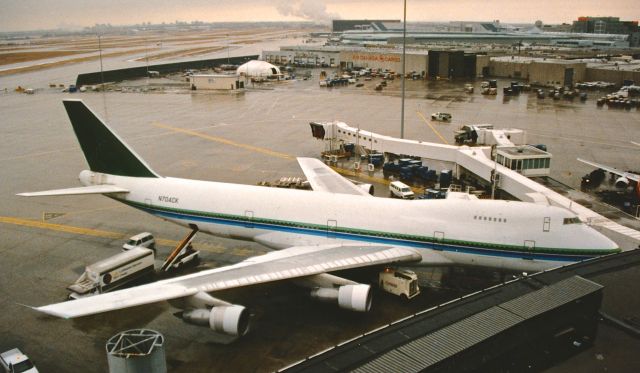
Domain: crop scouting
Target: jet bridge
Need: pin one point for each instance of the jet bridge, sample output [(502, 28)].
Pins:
[(476, 160)]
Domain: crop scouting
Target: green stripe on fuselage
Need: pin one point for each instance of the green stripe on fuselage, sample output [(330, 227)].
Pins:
[(378, 234)]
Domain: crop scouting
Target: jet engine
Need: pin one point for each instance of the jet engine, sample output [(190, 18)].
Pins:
[(367, 187), (622, 182), (222, 317), (231, 320), (351, 297)]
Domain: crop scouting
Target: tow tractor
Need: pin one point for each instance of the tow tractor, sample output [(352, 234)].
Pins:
[(401, 282)]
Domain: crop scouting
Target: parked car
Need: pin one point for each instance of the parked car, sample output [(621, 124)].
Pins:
[(14, 361), (444, 117), (144, 239), (401, 190)]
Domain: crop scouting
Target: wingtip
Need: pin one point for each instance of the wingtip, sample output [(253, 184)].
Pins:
[(44, 310)]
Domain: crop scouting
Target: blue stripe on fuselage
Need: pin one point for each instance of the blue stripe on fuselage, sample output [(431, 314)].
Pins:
[(366, 238)]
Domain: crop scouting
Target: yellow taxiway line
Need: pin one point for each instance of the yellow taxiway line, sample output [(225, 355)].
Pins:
[(107, 234), (226, 141), (432, 128), (359, 175)]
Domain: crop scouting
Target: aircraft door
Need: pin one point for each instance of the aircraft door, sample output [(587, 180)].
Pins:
[(529, 247), (332, 226), (546, 224), (147, 202), (438, 237), (248, 216)]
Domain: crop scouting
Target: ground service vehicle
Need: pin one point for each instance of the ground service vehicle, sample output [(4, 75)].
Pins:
[(113, 272), (401, 282), (400, 190), (443, 117), (14, 361), (144, 239)]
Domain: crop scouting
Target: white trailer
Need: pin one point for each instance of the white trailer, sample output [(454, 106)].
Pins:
[(215, 82), (401, 282), (114, 272)]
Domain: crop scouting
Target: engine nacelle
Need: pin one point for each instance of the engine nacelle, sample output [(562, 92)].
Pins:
[(367, 187), (622, 182), (351, 297), (231, 320)]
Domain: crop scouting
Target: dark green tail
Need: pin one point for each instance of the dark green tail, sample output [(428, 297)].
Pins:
[(104, 150)]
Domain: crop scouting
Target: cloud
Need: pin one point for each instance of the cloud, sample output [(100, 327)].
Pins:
[(312, 10)]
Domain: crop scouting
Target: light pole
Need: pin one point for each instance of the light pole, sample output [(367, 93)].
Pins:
[(404, 45), (101, 73)]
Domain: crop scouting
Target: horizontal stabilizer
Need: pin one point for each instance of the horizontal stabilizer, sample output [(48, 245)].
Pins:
[(323, 179), (91, 189)]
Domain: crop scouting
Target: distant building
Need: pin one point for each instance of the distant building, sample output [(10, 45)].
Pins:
[(340, 25), (215, 82), (259, 69), (608, 25)]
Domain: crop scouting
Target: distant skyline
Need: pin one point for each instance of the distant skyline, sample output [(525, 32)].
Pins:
[(24, 15)]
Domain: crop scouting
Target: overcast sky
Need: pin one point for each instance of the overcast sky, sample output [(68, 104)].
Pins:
[(18, 15)]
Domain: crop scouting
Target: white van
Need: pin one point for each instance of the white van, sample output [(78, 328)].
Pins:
[(144, 239), (400, 190)]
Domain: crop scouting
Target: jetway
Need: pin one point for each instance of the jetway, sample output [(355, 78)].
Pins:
[(476, 160)]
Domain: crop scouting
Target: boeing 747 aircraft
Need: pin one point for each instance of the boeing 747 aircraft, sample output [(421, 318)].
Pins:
[(335, 227)]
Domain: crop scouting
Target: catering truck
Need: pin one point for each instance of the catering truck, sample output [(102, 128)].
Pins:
[(114, 272)]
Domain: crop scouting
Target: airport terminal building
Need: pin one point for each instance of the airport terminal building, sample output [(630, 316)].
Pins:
[(431, 63), (459, 64)]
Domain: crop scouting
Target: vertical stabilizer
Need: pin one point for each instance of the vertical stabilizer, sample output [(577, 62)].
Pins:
[(104, 150)]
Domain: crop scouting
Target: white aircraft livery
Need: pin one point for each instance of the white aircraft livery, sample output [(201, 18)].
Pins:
[(336, 226)]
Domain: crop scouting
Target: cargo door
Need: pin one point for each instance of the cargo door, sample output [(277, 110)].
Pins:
[(529, 248), (438, 239), (147, 203), (332, 227), (248, 219)]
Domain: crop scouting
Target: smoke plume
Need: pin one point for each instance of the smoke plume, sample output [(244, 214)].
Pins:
[(312, 10)]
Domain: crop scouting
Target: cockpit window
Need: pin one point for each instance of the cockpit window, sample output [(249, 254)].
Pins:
[(575, 220)]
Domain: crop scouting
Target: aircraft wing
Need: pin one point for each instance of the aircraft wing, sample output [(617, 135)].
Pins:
[(91, 189), (613, 170), (322, 178), (294, 262)]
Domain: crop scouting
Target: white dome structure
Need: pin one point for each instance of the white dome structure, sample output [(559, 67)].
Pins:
[(259, 69)]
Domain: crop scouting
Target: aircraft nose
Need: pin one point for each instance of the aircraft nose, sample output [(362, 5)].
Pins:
[(602, 242)]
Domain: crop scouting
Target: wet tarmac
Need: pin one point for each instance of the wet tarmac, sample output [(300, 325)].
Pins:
[(39, 151)]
